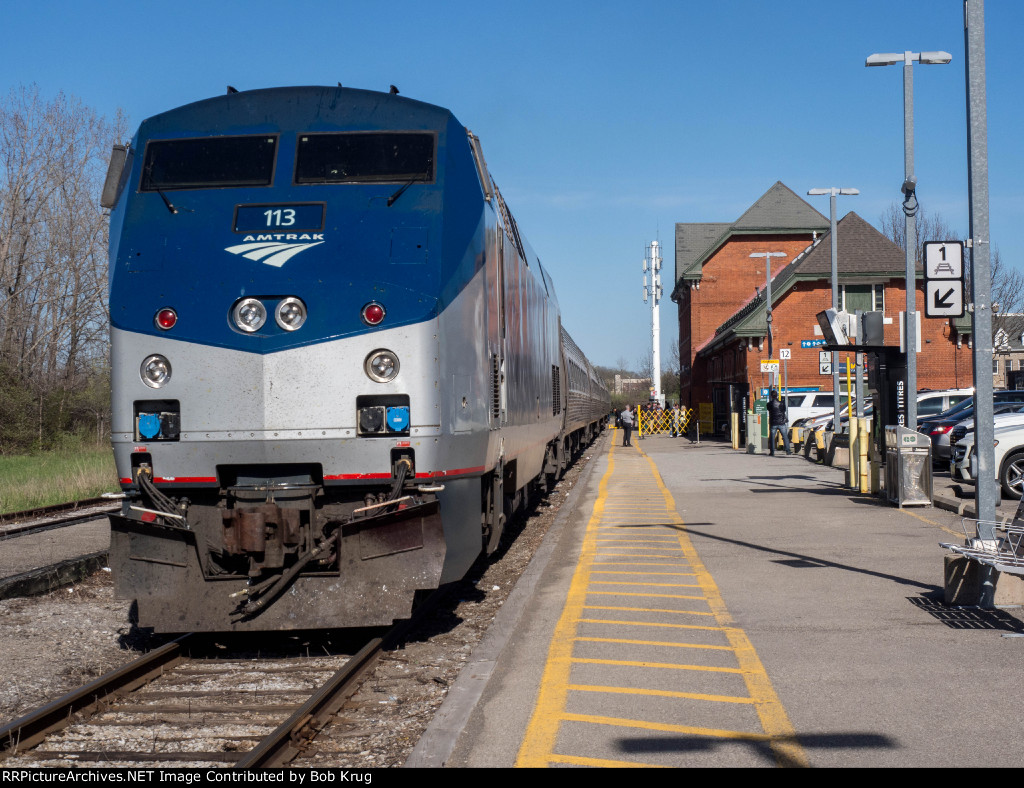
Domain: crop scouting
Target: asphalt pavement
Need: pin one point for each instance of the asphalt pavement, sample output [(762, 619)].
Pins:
[(839, 595)]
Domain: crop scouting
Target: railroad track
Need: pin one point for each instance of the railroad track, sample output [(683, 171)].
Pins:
[(172, 708), (45, 518)]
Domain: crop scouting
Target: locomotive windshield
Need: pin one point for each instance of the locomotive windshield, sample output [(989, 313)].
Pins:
[(365, 157), (209, 162)]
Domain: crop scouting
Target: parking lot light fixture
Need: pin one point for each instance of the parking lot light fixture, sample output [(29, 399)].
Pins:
[(832, 192), (910, 205)]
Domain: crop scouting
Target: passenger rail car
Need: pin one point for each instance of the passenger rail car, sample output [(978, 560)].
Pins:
[(337, 364)]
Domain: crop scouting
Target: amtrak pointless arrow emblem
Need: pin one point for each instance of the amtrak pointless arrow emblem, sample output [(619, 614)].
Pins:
[(275, 249)]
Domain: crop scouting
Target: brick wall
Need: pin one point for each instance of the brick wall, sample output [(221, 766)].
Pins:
[(940, 364)]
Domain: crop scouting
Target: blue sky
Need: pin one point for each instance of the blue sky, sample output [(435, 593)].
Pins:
[(604, 123)]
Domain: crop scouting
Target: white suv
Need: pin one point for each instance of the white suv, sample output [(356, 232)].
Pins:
[(932, 403), (801, 405), (1009, 460)]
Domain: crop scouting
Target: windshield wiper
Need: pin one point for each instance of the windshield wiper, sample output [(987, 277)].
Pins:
[(167, 202), (401, 190)]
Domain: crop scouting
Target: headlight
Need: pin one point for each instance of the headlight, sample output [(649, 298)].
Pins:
[(381, 365), (290, 314), (155, 371), (249, 315)]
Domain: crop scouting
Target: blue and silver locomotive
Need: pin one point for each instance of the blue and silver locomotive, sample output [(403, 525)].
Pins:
[(337, 365)]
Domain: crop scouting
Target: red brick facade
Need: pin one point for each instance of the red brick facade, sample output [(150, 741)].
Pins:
[(730, 278), (941, 363), (723, 326)]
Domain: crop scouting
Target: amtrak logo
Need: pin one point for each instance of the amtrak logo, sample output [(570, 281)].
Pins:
[(274, 248)]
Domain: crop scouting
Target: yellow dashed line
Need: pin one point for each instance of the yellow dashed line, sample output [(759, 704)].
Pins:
[(667, 727), (550, 712), (650, 624), (959, 534), (661, 693), (652, 643), (602, 763), (635, 663), (647, 593), (650, 610)]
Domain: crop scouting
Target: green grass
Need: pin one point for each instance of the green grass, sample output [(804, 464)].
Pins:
[(45, 478)]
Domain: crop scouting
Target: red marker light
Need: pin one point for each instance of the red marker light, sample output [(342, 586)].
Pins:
[(373, 314), (166, 318)]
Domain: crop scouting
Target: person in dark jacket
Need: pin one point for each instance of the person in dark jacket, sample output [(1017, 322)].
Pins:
[(627, 425), (778, 420)]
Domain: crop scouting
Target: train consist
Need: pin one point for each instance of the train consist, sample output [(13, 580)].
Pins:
[(337, 365)]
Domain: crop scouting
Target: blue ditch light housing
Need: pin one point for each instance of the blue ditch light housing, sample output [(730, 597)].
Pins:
[(149, 425), (398, 418)]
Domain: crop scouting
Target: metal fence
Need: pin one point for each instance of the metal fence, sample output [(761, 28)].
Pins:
[(671, 422)]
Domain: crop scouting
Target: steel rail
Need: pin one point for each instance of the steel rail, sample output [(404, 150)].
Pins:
[(28, 731), (44, 511), (294, 735)]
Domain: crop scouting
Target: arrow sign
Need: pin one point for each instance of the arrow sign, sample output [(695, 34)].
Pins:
[(944, 298)]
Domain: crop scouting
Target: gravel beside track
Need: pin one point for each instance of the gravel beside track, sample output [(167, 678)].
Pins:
[(58, 642)]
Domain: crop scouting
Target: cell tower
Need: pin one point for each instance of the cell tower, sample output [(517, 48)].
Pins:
[(652, 262)]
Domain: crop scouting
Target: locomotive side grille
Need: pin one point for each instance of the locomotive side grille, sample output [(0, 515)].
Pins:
[(495, 388), (556, 391)]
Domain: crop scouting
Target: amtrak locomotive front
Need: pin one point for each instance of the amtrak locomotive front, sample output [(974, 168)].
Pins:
[(337, 365)]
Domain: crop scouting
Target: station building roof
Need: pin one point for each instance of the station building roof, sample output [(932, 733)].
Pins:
[(863, 254), (778, 211)]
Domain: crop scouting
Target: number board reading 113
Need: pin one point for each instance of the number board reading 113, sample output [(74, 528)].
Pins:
[(260, 218)]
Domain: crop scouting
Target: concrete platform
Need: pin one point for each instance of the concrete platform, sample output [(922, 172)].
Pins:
[(783, 620), (36, 563)]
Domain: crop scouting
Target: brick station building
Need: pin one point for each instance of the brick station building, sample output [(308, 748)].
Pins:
[(721, 294)]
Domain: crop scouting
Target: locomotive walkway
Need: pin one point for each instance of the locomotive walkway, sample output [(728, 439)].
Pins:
[(702, 607)]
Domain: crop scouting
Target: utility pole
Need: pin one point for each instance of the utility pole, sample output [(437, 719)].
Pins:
[(768, 297), (910, 206), (832, 192), (653, 259), (981, 280)]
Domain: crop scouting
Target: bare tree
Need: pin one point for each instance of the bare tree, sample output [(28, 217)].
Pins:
[(53, 250), (1007, 281)]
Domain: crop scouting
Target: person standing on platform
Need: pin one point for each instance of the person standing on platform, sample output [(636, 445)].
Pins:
[(627, 425), (778, 422)]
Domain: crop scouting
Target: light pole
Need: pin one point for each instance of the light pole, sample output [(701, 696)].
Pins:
[(981, 280), (910, 205), (768, 290), (833, 191)]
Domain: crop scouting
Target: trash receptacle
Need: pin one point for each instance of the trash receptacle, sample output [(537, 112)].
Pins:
[(908, 467)]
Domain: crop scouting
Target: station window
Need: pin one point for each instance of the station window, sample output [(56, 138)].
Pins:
[(866, 298)]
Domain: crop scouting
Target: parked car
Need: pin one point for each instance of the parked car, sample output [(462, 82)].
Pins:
[(932, 403), (924, 422), (807, 404), (1005, 415), (1009, 460), (939, 429)]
